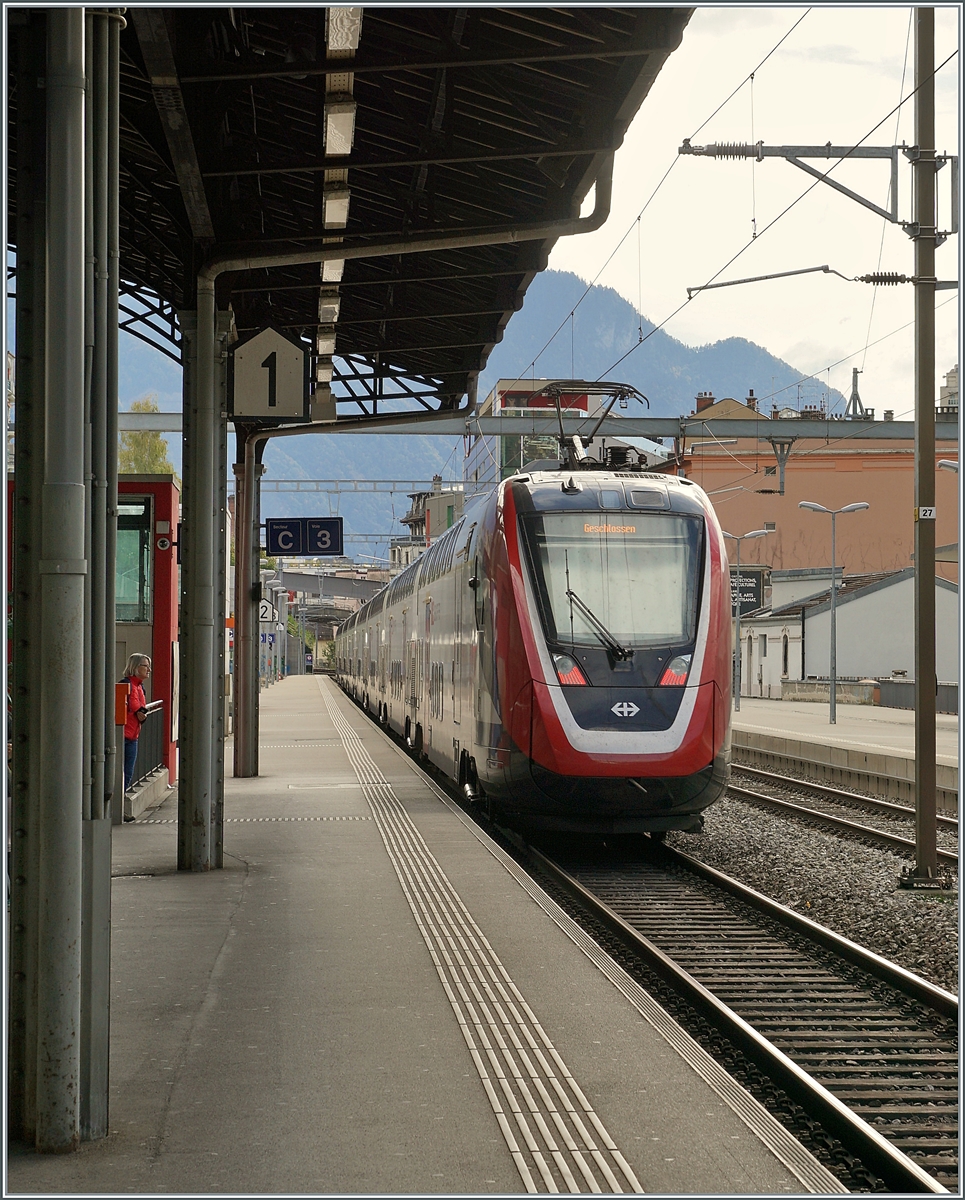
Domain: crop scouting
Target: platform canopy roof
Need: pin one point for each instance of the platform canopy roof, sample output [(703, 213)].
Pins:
[(464, 119)]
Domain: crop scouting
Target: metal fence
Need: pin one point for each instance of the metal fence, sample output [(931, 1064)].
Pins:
[(150, 743), (900, 693)]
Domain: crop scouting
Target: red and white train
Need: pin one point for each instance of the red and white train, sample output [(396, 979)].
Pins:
[(563, 652)]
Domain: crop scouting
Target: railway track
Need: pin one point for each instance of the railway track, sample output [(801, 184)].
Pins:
[(854, 800), (863, 1047), (832, 798)]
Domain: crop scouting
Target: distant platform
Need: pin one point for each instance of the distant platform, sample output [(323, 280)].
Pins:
[(866, 742)]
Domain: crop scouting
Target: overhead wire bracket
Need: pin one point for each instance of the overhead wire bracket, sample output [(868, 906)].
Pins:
[(794, 154)]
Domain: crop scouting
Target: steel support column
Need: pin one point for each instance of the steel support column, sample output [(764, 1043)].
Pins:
[(220, 565), (27, 634), (833, 714), (109, 667), (243, 632), (95, 973), (194, 783), (248, 471), (925, 670), (202, 558), (60, 664)]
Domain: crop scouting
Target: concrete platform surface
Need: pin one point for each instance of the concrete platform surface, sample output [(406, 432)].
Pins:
[(889, 731), (370, 999)]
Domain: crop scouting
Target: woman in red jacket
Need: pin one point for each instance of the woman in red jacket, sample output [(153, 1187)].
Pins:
[(138, 669)]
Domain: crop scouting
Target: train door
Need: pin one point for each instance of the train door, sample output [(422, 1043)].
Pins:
[(425, 672), (478, 585), (459, 587), (392, 676)]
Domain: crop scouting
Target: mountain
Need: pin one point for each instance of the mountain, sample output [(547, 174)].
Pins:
[(604, 327)]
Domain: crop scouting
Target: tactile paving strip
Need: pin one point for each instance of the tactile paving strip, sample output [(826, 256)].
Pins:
[(557, 1141), (249, 820)]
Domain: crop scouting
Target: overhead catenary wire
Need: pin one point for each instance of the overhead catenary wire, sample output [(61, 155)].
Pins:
[(651, 197), (770, 225), (884, 224)]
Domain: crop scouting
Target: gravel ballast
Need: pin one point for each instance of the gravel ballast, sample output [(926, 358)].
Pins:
[(841, 884)]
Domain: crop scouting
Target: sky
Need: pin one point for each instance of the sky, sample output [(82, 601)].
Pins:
[(836, 74), (834, 78)]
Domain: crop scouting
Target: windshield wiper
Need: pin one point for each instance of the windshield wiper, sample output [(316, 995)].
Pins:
[(601, 631)]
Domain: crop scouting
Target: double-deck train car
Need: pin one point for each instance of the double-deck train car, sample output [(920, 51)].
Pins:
[(563, 652)]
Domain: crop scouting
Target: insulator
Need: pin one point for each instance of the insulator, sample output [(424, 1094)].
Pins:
[(884, 278), (733, 150)]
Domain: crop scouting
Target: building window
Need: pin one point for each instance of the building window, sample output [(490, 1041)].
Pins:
[(770, 470), (770, 526), (763, 645), (784, 657), (133, 577)]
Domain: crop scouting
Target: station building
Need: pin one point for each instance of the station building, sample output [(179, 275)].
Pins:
[(790, 639), (742, 477)]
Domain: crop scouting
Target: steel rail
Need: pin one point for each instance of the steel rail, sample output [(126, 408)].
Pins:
[(847, 798), (897, 1170), (911, 985), (864, 831), (890, 1163)]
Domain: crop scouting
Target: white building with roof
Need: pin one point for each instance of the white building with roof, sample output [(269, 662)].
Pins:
[(791, 639)]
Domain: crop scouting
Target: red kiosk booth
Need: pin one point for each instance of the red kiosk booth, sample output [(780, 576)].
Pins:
[(146, 595)]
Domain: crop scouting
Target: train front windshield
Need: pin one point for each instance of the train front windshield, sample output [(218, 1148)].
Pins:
[(635, 572)]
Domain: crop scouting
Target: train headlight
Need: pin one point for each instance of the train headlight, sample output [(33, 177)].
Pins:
[(677, 671), (569, 671)]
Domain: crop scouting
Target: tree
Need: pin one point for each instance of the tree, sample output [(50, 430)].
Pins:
[(144, 453)]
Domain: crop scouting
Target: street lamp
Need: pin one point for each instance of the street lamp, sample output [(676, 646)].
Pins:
[(949, 464), (756, 533), (848, 508)]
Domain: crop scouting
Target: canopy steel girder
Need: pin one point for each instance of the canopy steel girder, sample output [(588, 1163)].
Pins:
[(155, 43), (466, 120), (458, 424), (405, 486), (338, 64)]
